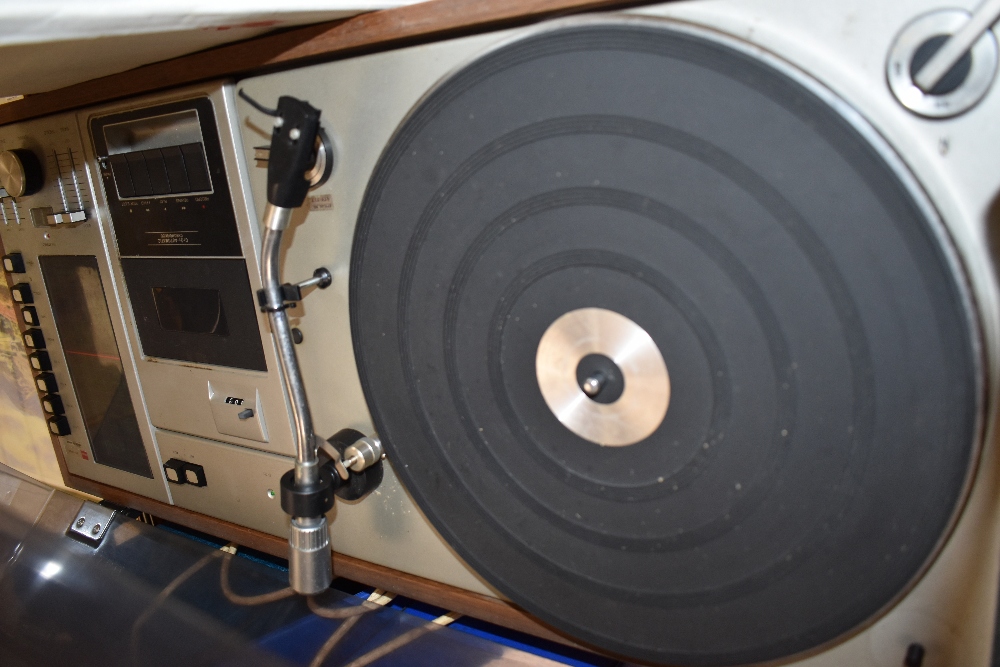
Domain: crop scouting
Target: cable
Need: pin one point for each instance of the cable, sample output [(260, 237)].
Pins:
[(343, 612), (162, 597), (376, 600), (257, 105), (243, 600), (404, 639), (352, 615), (334, 639)]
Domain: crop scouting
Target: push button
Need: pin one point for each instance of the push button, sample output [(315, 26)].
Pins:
[(158, 183), (197, 168), (194, 474), (52, 404), (40, 361), (174, 471), (13, 263), (173, 160), (140, 176), (30, 316), (179, 471), (46, 383), (58, 425), (34, 339), (123, 178), (21, 293)]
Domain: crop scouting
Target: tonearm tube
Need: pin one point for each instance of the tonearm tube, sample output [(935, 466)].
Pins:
[(300, 158)]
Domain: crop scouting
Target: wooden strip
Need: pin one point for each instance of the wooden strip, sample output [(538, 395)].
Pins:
[(465, 602), (366, 33)]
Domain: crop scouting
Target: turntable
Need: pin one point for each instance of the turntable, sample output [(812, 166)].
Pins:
[(675, 324)]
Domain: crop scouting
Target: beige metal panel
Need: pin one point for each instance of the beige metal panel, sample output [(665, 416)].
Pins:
[(388, 529), (60, 134), (242, 485), (178, 397), (363, 100)]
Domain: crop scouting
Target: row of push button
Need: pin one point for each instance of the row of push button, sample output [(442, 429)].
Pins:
[(173, 170), (33, 339), (46, 383), (179, 471)]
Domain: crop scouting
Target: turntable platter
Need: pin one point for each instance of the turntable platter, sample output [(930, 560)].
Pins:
[(801, 455)]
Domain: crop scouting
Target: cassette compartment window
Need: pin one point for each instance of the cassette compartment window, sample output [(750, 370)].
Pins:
[(75, 290), (159, 156), (196, 310), (190, 309)]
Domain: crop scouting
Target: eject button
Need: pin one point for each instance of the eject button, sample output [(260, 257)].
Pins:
[(237, 410)]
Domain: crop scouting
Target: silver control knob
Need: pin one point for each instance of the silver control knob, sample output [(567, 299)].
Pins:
[(927, 77), (364, 453), (20, 172)]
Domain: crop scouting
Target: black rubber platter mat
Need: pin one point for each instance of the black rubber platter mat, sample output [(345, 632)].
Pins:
[(823, 360)]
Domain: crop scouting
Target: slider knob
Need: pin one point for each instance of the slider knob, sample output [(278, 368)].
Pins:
[(20, 172)]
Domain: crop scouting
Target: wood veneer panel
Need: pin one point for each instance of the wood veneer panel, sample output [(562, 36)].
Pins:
[(364, 33)]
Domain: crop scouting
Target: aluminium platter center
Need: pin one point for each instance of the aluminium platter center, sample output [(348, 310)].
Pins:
[(592, 353)]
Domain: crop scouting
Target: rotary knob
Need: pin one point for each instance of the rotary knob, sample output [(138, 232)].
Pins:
[(942, 63), (20, 172)]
